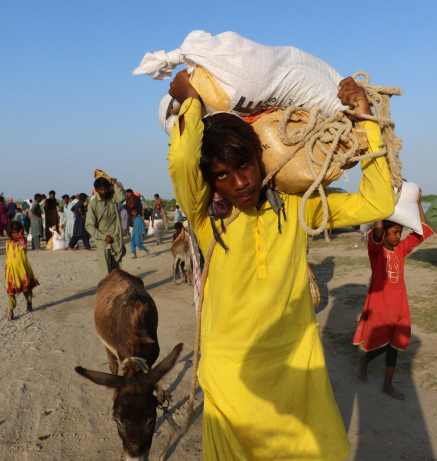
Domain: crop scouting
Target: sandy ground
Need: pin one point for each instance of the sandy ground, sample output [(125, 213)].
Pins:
[(48, 412)]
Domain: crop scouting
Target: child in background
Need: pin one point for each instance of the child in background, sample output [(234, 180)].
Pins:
[(138, 232), (124, 221), (19, 274), (178, 228), (385, 324)]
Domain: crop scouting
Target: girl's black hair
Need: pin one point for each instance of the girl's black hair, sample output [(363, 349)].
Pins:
[(386, 224), (227, 138), (14, 226)]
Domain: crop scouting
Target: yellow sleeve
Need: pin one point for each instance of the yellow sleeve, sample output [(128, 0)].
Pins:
[(373, 202), (191, 191)]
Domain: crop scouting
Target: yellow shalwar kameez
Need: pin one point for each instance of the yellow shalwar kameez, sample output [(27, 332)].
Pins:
[(262, 367)]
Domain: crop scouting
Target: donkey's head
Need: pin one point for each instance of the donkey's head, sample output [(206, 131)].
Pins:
[(135, 404)]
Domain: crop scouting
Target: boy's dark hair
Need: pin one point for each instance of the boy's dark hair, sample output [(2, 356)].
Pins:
[(73, 197), (156, 195), (386, 224), (101, 182), (52, 192), (227, 138), (37, 196), (129, 190), (14, 226), (178, 225), (65, 195), (83, 197)]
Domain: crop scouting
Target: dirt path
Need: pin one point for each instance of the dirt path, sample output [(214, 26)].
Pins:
[(48, 412)]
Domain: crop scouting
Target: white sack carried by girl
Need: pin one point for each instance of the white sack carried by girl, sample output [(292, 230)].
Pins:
[(235, 74), (406, 210)]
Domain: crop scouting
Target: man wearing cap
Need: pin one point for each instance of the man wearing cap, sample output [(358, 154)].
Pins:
[(103, 223)]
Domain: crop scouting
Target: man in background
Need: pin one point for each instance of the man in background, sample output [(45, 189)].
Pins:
[(103, 224)]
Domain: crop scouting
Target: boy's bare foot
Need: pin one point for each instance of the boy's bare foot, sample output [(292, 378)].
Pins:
[(134, 257), (147, 252), (392, 392), (362, 368), (11, 315)]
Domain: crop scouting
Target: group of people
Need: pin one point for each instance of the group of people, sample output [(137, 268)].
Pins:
[(78, 218)]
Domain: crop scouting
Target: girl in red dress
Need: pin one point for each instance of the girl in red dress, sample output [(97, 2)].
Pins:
[(385, 324)]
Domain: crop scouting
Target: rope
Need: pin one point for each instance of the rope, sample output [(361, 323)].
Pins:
[(139, 362), (334, 129)]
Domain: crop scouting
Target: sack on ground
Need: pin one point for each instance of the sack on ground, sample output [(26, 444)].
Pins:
[(150, 230), (59, 243), (49, 245), (406, 210), (295, 176), (233, 73), (56, 242), (29, 238)]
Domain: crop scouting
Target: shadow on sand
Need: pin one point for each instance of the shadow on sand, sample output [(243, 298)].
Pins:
[(375, 422)]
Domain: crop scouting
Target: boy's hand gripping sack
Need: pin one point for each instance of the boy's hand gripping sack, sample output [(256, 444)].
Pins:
[(406, 210)]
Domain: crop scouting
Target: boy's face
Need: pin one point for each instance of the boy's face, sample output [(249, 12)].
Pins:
[(238, 182), (392, 235)]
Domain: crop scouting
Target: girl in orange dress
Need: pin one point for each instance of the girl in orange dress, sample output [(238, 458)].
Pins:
[(19, 274), (385, 324)]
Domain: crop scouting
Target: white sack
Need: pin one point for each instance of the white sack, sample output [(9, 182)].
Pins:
[(365, 228), (252, 76), (59, 243), (407, 211), (166, 118), (151, 229)]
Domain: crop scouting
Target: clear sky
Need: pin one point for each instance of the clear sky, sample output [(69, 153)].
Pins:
[(69, 103)]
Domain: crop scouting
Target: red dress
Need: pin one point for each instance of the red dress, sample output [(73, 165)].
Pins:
[(386, 316)]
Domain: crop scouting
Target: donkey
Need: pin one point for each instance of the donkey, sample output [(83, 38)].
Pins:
[(126, 321)]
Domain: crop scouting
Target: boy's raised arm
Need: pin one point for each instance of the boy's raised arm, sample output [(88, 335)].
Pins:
[(191, 190)]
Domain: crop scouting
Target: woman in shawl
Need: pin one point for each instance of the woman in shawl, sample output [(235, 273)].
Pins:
[(36, 222), (51, 214)]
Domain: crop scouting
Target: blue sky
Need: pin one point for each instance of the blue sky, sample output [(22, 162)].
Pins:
[(69, 103)]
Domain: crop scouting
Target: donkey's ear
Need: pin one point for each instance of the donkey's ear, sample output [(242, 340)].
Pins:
[(166, 365), (98, 377)]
